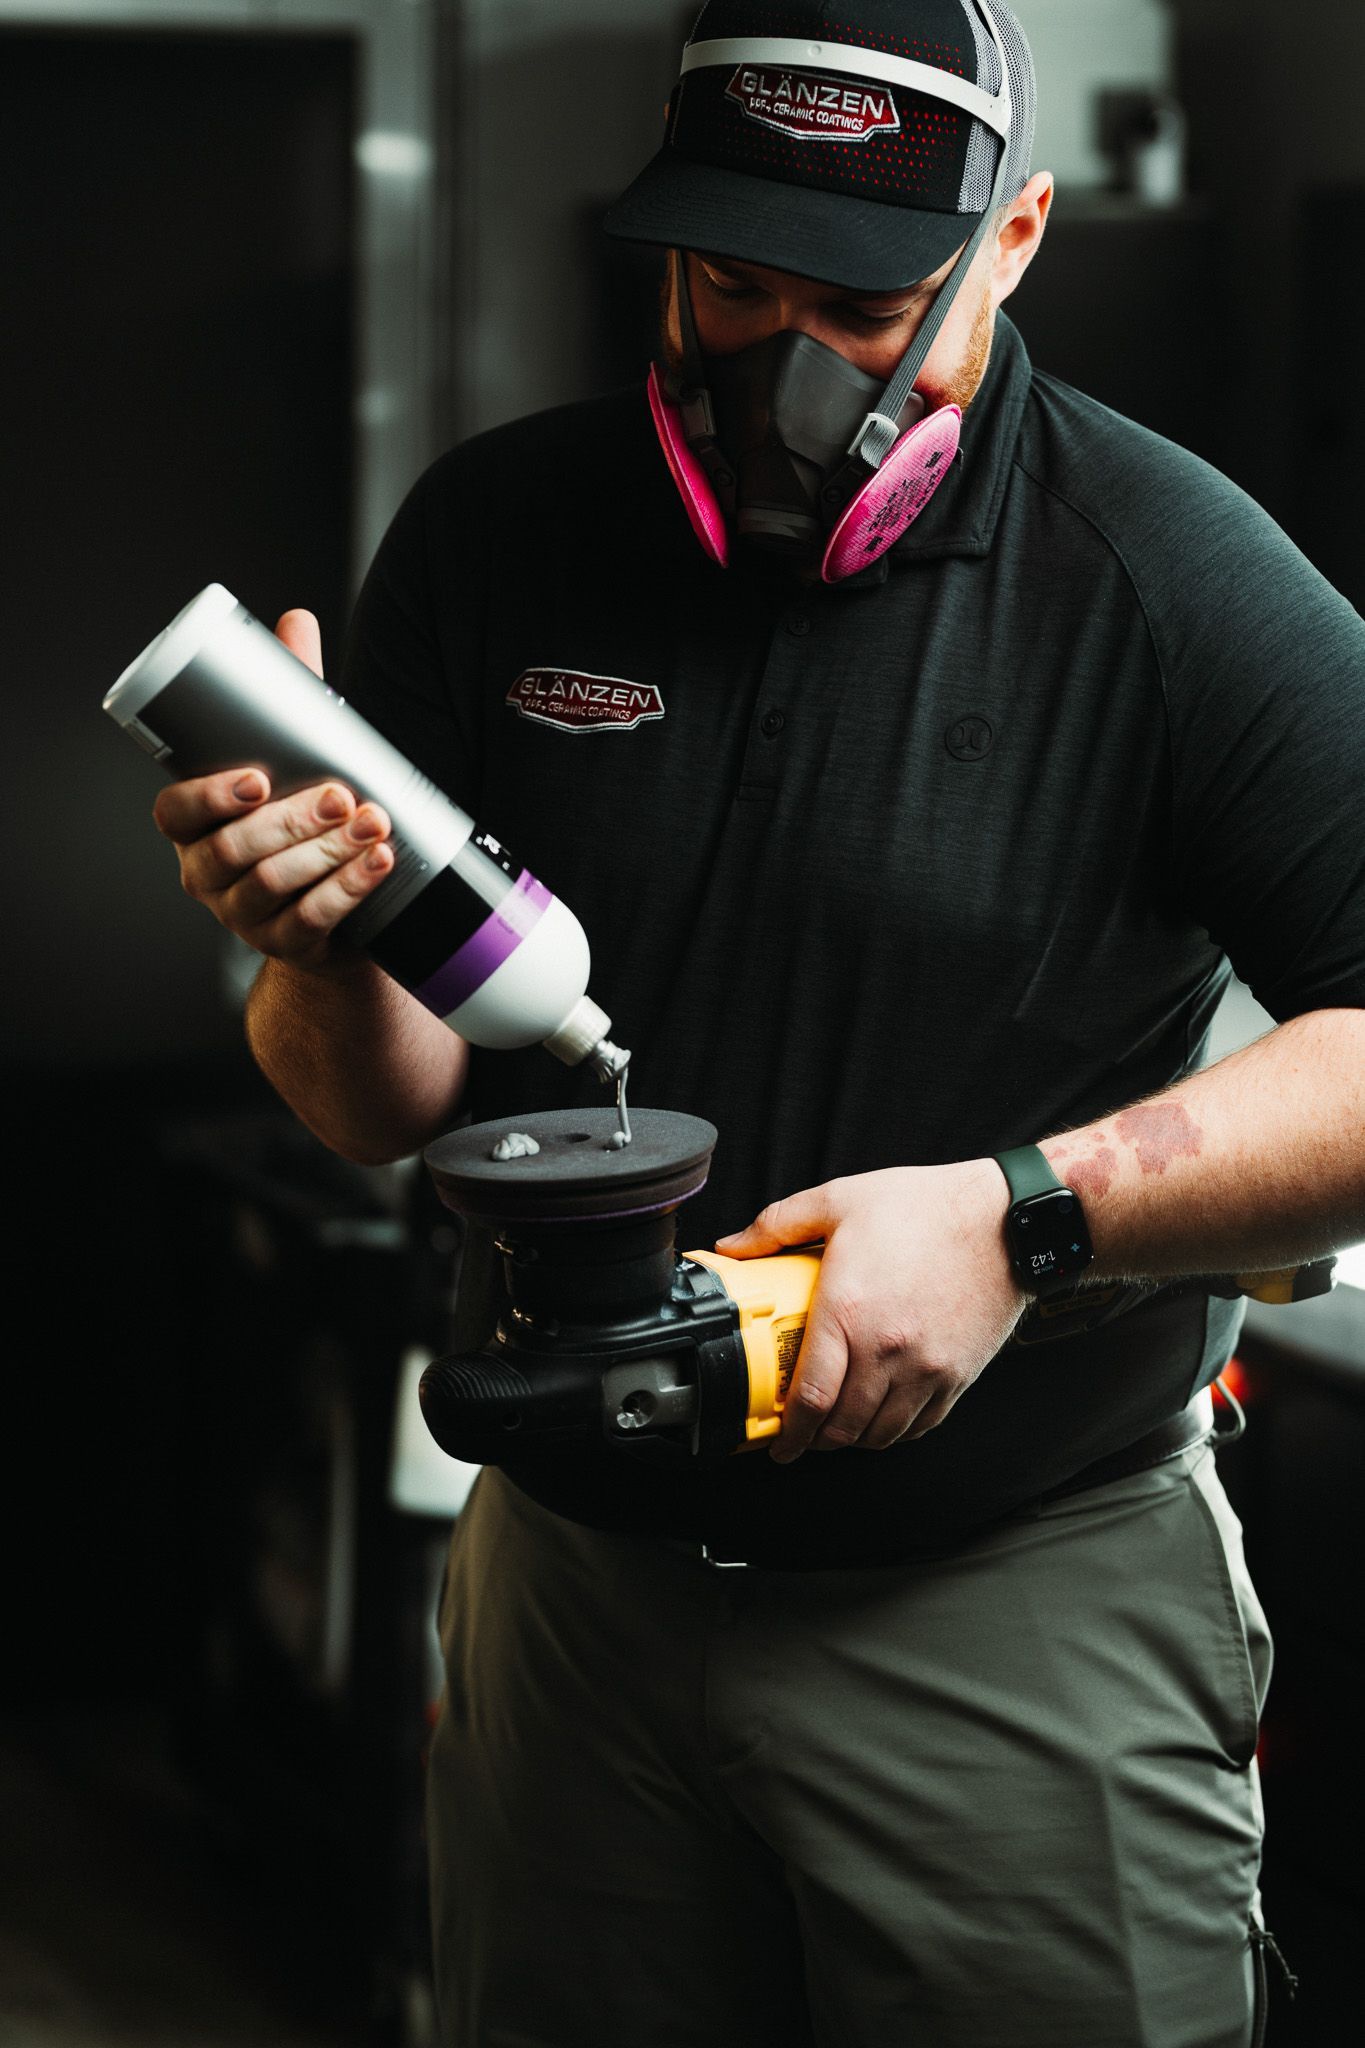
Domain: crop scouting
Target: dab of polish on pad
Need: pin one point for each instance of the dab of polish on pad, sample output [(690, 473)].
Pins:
[(516, 1145)]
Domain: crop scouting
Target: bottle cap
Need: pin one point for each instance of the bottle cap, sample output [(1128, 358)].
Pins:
[(582, 1031)]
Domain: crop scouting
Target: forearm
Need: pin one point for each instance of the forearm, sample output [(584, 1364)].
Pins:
[(362, 1063), (1252, 1165)]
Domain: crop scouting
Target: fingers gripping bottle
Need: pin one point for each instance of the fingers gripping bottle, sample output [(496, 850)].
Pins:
[(472, 934)]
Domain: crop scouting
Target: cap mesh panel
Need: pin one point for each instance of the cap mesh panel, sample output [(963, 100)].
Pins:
[(1024, 92), (983, 149)]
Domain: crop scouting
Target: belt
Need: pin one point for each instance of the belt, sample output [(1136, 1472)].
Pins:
[(1193, 1425), (1157, 1447)]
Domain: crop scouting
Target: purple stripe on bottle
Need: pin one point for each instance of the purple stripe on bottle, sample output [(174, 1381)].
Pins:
[(496, 940)]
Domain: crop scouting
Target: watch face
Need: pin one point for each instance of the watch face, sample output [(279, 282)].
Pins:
[(1051, 1243)]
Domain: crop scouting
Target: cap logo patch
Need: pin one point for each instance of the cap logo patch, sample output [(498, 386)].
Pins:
[(811, 105), (578, 703)]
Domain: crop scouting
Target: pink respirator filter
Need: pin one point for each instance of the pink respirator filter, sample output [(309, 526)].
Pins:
[(893, 499), (694, 486)]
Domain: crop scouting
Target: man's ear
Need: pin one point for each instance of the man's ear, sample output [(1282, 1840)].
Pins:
[(1021, 234)]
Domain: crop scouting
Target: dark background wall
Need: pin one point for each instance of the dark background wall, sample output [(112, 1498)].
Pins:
[(1280, 156), (178, 365)]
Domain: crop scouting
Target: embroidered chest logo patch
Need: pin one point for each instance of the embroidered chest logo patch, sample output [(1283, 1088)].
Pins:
[(578, 703), (811, 105)]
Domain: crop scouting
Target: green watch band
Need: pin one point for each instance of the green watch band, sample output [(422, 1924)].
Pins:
[(1045, 1228), (1027, 1171)]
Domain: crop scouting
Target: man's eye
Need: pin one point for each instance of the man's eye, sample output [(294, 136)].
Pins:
[(861, 317), (735, 290), (729, 291)]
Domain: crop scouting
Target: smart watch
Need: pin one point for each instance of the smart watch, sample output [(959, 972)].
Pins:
[(1049, 1243)]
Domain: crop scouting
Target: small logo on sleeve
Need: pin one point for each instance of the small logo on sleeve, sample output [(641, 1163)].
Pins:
[(812, 106), (577, 703)]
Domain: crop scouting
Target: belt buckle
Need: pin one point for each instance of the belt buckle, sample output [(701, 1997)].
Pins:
[(723, 1564)]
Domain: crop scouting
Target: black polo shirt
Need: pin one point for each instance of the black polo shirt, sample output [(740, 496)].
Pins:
[(938, 861)]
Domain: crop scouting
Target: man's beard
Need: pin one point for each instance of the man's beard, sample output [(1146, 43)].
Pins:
[(959, 388)]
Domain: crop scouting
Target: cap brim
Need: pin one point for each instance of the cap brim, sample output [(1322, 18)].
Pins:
[(859, 244)]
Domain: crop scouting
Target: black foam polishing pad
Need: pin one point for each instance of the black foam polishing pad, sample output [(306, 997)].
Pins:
[(575, 1175)]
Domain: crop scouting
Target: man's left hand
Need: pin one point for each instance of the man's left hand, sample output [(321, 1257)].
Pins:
[(915, 1297)]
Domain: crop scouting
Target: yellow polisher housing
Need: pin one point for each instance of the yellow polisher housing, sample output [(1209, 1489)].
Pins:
[(772, 1297)]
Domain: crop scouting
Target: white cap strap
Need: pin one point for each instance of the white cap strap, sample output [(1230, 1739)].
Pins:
[(792, 53)]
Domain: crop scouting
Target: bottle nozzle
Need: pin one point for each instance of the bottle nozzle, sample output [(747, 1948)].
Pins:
[(581, 1035), (609, 1062)]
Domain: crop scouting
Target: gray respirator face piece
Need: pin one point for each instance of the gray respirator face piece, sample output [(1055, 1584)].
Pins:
[(787, 410)]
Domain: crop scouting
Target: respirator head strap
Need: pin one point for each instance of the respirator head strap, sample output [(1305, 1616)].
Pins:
[(881, 429), (693, 393), (685, 422), (882, 432)]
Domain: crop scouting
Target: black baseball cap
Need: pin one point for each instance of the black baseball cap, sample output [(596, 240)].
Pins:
[(851, 141)]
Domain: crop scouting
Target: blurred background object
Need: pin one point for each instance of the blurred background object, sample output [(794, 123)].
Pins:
[(1142, 135), (263, 260)]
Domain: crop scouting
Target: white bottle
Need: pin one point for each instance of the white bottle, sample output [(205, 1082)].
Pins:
[(458, 921)]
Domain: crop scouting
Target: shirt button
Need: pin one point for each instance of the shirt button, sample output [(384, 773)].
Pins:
[(798, 623), (772, 724)]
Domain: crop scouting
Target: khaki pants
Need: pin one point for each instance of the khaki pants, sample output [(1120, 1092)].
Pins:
[(1005, 1799)]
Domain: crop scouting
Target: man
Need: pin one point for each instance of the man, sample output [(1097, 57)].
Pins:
[(962, 796)]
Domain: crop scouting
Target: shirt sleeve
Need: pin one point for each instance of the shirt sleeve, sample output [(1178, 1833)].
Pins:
[(1264, 664), (412, 653)]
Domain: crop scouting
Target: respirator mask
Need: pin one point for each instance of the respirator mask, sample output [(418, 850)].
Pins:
[(786, 446)]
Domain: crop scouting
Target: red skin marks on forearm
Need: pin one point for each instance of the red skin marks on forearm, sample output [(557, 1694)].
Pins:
[(1160, 1132), (1093, 1177), (1091, 1173)]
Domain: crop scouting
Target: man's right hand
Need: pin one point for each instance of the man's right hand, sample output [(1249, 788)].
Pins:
[(284, 874)]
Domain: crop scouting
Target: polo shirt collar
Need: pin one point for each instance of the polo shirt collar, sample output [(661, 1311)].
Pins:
[(961, 517)]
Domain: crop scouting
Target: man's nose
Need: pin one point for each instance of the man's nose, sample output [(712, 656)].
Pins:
[(796, 318)]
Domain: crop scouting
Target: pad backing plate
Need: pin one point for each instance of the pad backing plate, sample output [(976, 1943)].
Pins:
[(575, 1176)]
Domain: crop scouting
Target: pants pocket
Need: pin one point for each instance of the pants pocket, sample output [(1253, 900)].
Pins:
[(1247, 1647)]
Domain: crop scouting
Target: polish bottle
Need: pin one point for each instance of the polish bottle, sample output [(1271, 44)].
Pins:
[(457, 921)]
